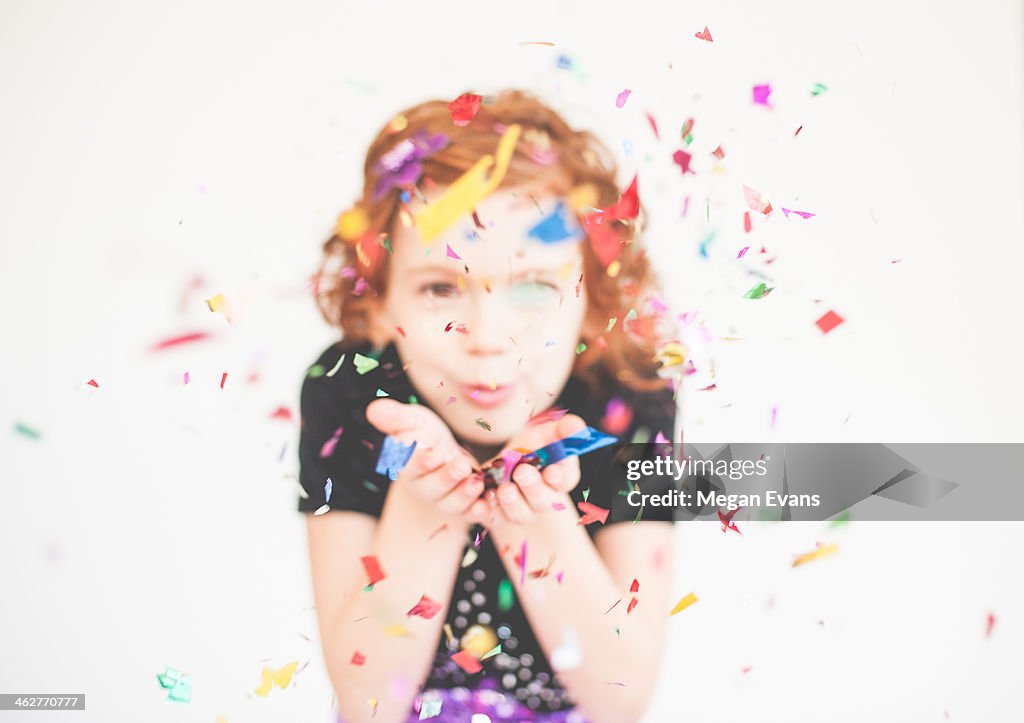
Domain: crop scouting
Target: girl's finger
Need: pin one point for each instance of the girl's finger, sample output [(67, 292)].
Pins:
[(563, 476), (535, 491), (512, 503), (462, 496), (440, 481)]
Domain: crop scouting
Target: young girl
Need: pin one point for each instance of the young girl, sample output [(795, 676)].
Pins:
[(491, 296)]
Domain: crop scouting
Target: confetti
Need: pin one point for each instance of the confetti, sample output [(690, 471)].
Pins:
[(430, 708), (465, 660), (482, 423), (327, 449), (684, 602), (818, 88), (682, 159), (364, 364), (179, 340), (758, 292), (726, 520), (718, 153), (425, 608), (621, 98), (357, 658), (337, 366), (704, 35), (761, 93), (756, 200), (223, 378), (178, 685), (403, 166), (468, 190), (548, 416), (282, 678), (617, 416), (829, 321), (186, 378), (372, 568), (801, 214), (632, 604), (522, 564), (352, 224), (556, 226), (743, 252), (581, 347), (394, 455), (26, 431), (591, 513), (322, 510), (821, 551), (464, 108), (614, 605), (990, 623)]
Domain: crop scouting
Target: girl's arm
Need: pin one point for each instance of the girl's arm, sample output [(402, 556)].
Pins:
[(616, 676), (397, 659)]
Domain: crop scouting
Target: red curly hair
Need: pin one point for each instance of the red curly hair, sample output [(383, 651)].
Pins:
[(549, 152)]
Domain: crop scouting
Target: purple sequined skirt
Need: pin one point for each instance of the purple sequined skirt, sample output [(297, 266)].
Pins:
[(486, 703)]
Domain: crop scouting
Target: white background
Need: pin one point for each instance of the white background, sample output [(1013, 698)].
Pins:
[(144, 146)]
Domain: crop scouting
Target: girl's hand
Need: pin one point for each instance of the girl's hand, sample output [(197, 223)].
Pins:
[(440, 473), (532, 492)]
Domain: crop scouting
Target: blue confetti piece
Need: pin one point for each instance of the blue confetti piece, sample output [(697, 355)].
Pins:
[(405, 196), (707, 242), (328, 488), (556, 226), (393, 457), (564, 62), (627, 146)]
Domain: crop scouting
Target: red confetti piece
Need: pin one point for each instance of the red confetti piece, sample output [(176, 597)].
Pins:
[(708, 388), (632, 604), (465, 660), (687, 127), (654, 126), (746, 222), (747, 668), (282, 413), (93, 383), (178, 340), (990, 623), (635, 587), (223, 378), (400, 330), (373, 569), (718, 153), (726, 520), (591, 513), (613, 606), (829, 321), (425, 608), (704, 35), (798, 131), (358, 658), (476, 221), (464, 108)]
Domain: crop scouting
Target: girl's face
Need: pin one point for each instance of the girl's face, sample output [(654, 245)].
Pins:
[(494, 346)]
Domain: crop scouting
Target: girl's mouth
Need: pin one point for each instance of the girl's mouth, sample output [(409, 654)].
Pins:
[(483, 396)]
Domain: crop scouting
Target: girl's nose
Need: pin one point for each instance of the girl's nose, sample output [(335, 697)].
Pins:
[(488, 325)]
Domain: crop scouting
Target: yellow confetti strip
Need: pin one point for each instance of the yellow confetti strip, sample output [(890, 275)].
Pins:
[(583, 198), (398, 124), (672, 354), (822, 551), (684, 602), (396, 630), (216, 303), (613, 268), (352, 224), (469, 190)]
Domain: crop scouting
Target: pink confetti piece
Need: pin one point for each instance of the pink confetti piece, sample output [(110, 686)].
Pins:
[(591, 513), (282, 413), (179, 340), (223, 378), (747, 226), (755, 200), (775, 416), (559, 575), (357, 658), (990, 623), (613, 606), (522, 564), (654, 126), (761, 93), (93, 383), (801, 214), (451, 400), (682, 159), (704, 35), (621, 98), (743, 252), (187, 378), (452, 254), (328, 447), (425, 608), (360, 287), (547, 416)]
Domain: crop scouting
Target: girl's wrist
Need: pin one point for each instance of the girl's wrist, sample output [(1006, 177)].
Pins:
[(423, 513)]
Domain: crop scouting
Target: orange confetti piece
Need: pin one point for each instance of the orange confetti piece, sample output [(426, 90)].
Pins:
[(822, 551), (465, 660)]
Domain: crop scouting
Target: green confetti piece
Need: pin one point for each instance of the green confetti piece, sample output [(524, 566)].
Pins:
[(382, 393), (370, 486), (758, 292), (818, 88), (842, 519), (317, 370), (618, 631), (688, 139), (506, 595), (368, 588), (481, 422), (492, 652), (631, 314), (365, 364), (611, 324), (177, 683), (386, 243), (413, 399), (26, 431), (581, 347), (586, 494)]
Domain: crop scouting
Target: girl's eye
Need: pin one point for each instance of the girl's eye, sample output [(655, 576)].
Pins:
[(439, 290), (533, 292)]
